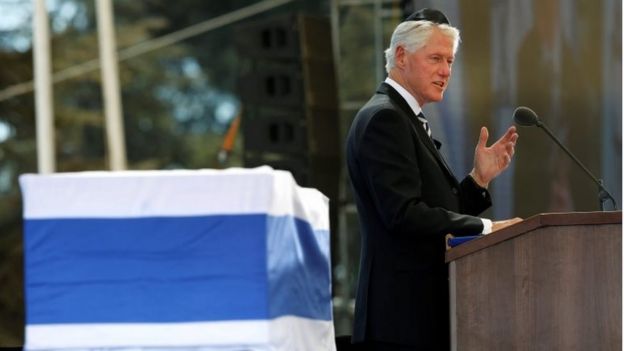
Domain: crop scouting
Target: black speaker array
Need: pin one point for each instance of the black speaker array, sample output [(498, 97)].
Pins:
[(290, 104)]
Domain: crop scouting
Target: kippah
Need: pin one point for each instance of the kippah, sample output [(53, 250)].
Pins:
[(430, 15)]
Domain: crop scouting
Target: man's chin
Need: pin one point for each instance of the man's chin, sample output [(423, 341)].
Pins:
[(437, 97), (434, 97)]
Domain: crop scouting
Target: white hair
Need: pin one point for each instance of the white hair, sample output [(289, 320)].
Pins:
[(413, 35)]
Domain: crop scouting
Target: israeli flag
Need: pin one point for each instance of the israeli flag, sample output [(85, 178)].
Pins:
[(205, 260)]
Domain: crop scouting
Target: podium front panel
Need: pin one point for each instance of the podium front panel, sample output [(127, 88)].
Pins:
[(551, 288)]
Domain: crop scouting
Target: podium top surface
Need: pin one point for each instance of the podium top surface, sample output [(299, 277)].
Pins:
[(532, 223)]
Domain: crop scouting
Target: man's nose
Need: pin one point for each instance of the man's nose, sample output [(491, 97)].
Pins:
[(445, 69)]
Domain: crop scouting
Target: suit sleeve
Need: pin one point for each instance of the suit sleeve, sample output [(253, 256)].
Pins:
[(475, 199), (392, 175)]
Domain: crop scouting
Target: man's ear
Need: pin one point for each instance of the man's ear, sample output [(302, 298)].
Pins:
[(399, 56)]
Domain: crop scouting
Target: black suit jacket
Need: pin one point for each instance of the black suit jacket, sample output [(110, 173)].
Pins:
[(408, 200)]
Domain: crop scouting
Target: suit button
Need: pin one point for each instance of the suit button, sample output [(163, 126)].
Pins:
[(454, 190)]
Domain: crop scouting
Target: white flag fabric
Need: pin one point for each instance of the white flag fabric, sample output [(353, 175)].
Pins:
[(236, 259)]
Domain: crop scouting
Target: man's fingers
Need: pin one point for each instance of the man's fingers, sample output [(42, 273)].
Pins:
[(514, 137), (510, 135), (497, 225), (510, 148), (483, 137)]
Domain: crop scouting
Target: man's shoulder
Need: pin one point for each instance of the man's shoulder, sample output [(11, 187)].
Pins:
[(381, 112), (378, 102)]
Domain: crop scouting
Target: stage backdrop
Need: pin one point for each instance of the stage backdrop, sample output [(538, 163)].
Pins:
[(227, 260)]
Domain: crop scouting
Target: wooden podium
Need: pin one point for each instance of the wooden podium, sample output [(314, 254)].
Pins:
[(551, 282)]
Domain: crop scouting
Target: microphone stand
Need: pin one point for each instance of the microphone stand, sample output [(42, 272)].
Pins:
[(603, 193)]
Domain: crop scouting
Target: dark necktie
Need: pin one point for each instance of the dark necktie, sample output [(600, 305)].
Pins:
[(423, 120)]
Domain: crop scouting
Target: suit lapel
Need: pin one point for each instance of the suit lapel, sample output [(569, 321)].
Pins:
[(422, 134)]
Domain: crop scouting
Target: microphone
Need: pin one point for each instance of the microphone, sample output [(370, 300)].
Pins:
[(524, 116)]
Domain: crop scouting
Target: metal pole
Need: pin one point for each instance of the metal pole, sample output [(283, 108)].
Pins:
[(44, 107), (110, 86)]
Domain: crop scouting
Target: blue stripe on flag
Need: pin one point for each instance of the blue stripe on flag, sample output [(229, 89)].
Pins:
[(174, 269), (164, 269), (299, 269)]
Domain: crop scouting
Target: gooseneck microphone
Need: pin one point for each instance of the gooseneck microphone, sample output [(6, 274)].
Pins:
[(524, 116)]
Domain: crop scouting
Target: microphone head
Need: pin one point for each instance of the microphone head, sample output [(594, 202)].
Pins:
[(524, 116)]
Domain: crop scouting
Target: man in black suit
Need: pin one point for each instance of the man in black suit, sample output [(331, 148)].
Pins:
[(406, 196)]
